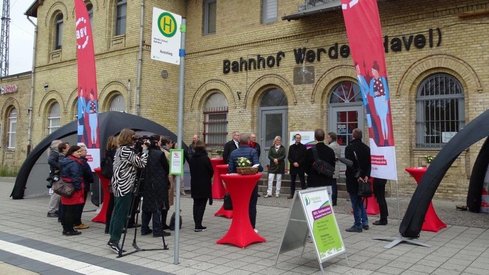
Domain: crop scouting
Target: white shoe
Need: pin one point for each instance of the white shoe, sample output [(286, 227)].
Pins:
[(256, 230), (277, 195), (268, 195)]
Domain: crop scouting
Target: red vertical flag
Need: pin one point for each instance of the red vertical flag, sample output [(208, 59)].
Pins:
[(88, 130), (365, 38)]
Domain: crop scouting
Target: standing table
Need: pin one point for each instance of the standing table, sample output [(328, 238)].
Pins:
[(217, 186), (222, 169), (105, 183), (241, 233), (431, 220)]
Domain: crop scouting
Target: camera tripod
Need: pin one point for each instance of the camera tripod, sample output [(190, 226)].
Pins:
[(122, 253)]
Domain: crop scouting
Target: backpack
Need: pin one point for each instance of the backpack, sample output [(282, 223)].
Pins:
[(320, 166)]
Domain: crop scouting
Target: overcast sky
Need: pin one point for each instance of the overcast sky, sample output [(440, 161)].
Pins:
[(21, 37)]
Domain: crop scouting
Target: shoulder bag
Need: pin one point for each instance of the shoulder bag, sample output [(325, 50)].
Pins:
[(364, 189), (62, 188)]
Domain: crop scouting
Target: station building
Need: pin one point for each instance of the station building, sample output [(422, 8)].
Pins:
[(264, 66)]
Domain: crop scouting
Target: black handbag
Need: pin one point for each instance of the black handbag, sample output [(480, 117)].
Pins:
[(62, 188), (228, 204), (364, 189)]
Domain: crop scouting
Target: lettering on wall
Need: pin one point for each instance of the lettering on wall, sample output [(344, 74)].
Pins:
[(431, 38), (8, 89)]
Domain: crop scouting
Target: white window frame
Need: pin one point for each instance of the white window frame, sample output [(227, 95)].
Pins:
[(117, 103), (120, 17), (12, 128), (58, 29), (209, 24), (54, 118), (440, 107), (269, 11)]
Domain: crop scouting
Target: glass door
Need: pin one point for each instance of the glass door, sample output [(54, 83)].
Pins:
[(273, 122)]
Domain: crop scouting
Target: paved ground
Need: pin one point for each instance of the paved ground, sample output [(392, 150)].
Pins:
[(32, 243)]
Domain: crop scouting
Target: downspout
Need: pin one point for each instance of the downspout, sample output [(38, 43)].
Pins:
[(31, 99), (140, 61)]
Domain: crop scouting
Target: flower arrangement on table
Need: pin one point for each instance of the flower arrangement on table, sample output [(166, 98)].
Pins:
[(244, 166)]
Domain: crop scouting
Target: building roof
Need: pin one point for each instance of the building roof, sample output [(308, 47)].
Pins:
[(32, 10)]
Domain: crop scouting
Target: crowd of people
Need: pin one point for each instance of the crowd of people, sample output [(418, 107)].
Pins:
[(139, 167)]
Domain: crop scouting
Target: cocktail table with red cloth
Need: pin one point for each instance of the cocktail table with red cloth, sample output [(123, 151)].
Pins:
[(217, 187), (431, 220), (222, 169), (105, 183), (241, 233)]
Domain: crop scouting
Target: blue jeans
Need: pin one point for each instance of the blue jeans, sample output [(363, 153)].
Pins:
[(359, 212)]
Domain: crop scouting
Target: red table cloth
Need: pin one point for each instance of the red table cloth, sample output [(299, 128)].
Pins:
[(241, 233), (431, 220), (105, 183)]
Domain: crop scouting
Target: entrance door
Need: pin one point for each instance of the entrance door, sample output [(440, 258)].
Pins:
[(273, 122), (342, 121)]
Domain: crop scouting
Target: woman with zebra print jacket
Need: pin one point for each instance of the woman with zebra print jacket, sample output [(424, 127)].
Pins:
[(126, 162)]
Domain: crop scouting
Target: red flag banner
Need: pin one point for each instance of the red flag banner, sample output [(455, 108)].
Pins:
[(366, 43), (87, 115)]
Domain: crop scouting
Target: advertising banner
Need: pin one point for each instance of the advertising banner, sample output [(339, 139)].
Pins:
[(366, 43), (322, 223), (87, 115), (166, 36)]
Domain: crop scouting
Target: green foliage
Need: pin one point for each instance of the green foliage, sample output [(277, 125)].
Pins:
[(8, 171)]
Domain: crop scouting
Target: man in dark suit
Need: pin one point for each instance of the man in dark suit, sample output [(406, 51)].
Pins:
[(254, 144), (297, 156), (325, 153), (359, 153), (231, 146)]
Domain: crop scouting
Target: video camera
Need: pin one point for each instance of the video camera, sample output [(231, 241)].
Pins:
[(139, 141)]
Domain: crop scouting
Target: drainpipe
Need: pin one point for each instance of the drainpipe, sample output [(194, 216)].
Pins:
[(140, 60), (31, 99)]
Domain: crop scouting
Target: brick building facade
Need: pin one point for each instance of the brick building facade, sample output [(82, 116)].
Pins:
[(249, 70)]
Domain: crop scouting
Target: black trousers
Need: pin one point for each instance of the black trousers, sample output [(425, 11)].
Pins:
[(108, 215), (79, 208), (252, 209), (379, 192), (293, 177), (69, 213), (199, 209)]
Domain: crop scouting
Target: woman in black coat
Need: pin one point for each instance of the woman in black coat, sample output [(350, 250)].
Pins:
[(155, 189), (201, 183)]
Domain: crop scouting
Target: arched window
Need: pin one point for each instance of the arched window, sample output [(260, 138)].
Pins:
[(440, 110), (345, 92), (117, 103), (90, 13), (215, 120), (120, 19), (58, 35), (54, 117), (12, 128), (273, 97)]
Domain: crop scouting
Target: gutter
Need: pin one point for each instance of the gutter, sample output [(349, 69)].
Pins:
[(31, 97)]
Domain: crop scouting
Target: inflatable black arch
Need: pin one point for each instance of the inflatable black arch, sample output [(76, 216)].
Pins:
[(476, 130), (110, 123)]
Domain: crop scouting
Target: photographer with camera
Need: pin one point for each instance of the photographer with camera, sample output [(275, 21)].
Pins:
[(126, 162), (155, 189)]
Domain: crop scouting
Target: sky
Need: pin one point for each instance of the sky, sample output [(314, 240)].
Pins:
[(21, 37)]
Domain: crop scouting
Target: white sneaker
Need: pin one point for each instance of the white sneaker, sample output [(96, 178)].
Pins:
[(277, 195), (268, 195)]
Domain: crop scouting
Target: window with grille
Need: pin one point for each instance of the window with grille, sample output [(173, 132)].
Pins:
[(440, 110), (215, 121), (269, 11), (117, 103), (120, 20), (54, 117), (12, 128), (210, 16), (58, 36)]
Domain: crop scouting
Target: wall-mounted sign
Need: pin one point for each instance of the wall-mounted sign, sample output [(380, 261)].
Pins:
[(430, 38), (8, 89)]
